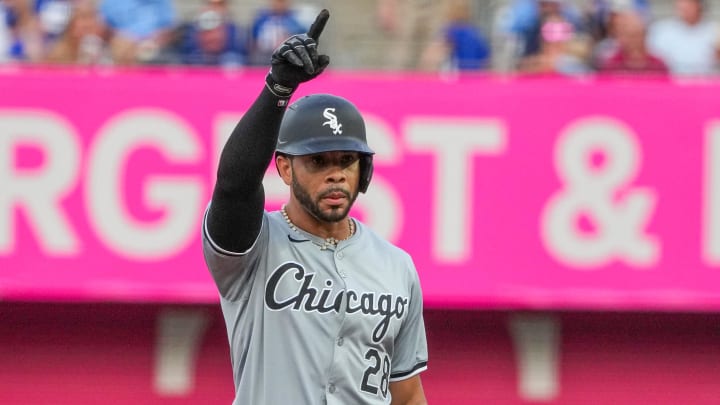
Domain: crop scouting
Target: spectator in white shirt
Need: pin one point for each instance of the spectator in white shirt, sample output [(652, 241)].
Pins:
[(688, 43)]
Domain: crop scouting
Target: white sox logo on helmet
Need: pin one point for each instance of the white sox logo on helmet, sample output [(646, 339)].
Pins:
[(332, 121)]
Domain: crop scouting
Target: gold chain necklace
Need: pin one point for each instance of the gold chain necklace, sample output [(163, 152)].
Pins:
[(330, 242)]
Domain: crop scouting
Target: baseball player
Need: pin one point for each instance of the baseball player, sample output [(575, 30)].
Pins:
[(319, 309)]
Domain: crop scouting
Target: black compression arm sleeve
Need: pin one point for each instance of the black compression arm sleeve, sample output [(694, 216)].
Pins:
[(238, 200)]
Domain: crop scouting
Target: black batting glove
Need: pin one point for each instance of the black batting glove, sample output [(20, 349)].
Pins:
[(296, 60)]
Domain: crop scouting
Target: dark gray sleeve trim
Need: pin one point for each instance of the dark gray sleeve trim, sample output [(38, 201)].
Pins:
[(402, 375)]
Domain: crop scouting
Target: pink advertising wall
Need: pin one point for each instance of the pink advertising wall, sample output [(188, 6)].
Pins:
[(566, 232), (534, 193)]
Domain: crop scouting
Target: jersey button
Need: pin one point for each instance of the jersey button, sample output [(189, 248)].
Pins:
[(340, 255), (331, 388), (340, 341)]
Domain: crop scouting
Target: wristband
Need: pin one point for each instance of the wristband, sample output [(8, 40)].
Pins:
[(278, 89)]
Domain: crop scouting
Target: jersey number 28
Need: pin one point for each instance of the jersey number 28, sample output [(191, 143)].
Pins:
[(376, 363)]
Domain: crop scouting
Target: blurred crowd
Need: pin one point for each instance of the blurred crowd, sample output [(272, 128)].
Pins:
[(140, 32), (566, 37), (618, 36)]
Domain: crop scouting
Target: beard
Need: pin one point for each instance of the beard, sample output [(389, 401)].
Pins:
[(336, 214)]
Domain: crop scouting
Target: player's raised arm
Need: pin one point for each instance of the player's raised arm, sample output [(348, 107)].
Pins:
[(235, 214)]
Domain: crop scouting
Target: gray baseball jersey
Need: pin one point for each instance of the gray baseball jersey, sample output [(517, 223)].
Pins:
[(312, 326)]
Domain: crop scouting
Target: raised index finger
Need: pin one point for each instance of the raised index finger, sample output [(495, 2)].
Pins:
[(318, 26)]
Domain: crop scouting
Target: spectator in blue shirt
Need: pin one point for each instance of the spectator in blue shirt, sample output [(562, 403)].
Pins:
[(461, 46), (469, 47), (5, 34), (213, 38), (270, 27), (24, 36), (141, 30)]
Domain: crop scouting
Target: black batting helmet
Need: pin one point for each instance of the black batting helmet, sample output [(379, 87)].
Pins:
[(324, 123)]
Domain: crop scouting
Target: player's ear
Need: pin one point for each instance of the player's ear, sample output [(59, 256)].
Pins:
[(283, 165)]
